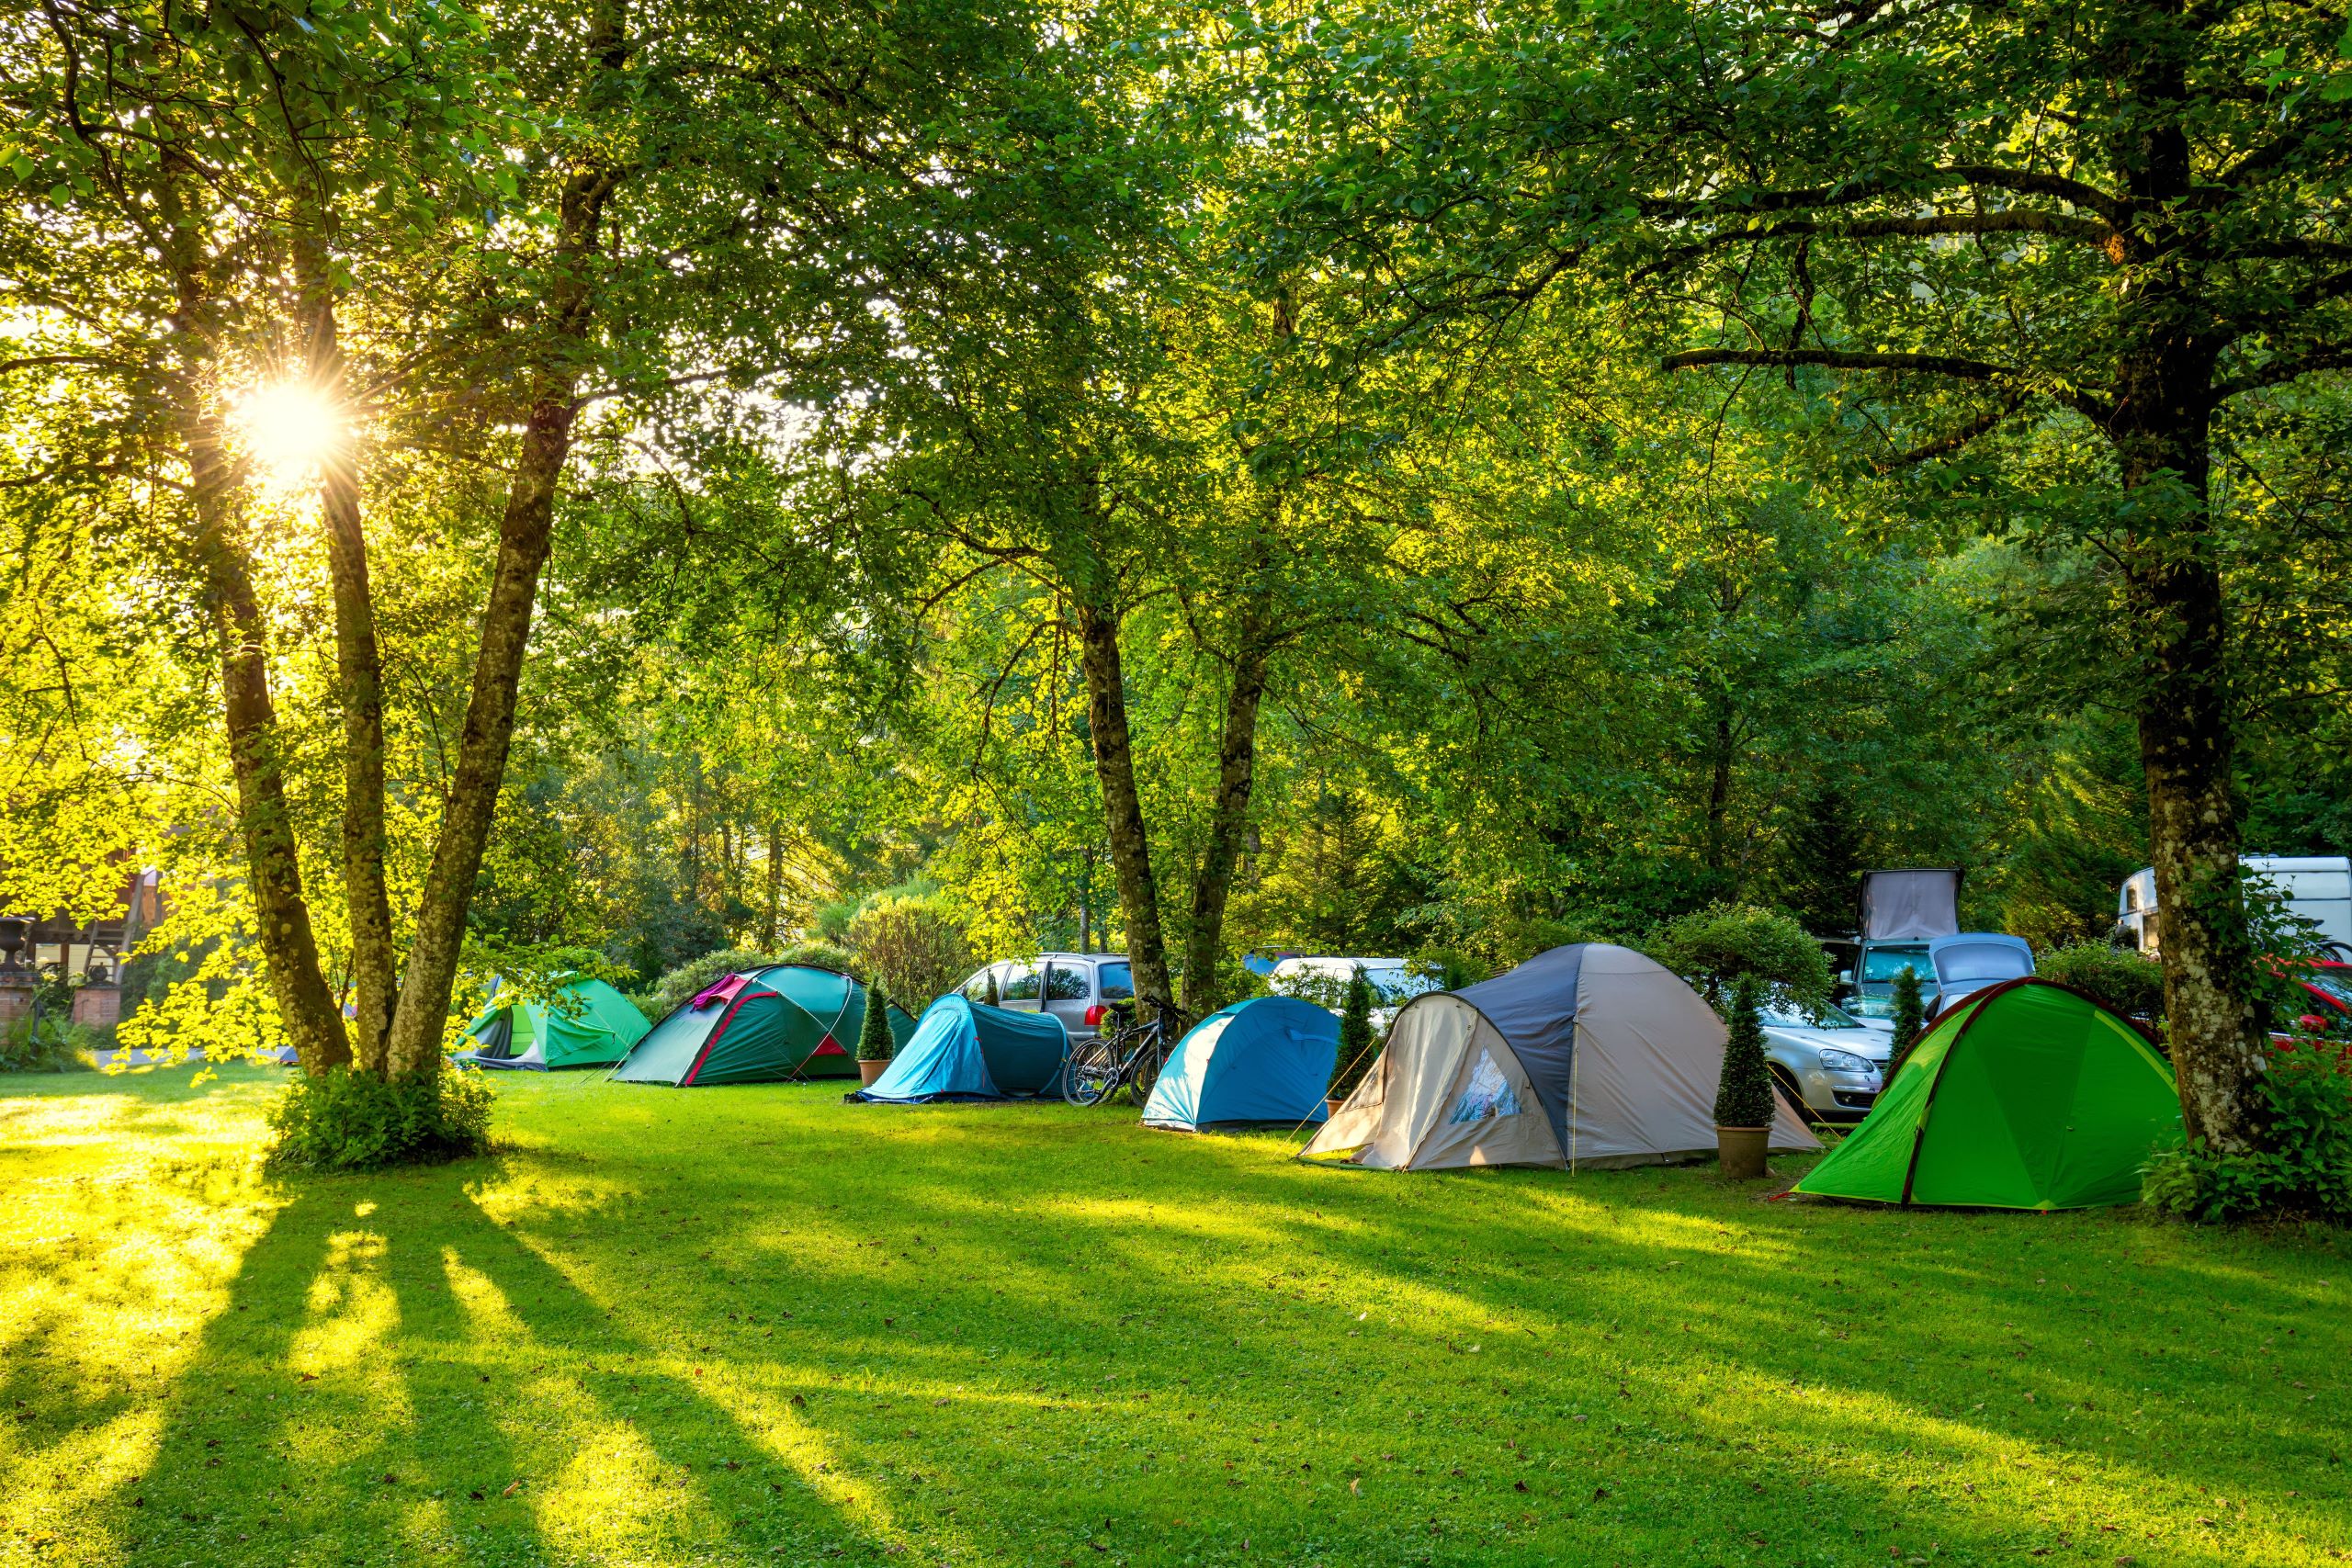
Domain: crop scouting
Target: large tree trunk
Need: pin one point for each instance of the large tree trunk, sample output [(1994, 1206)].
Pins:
[(1114, 769), (273, 866), (2162, 427), (524, 533), (2186, 747), (256, 755), (360, 670), (1229, 821), (2193, 824), (523, 540)]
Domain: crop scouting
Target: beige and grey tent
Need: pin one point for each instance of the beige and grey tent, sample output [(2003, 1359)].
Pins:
[(1584, 1056)]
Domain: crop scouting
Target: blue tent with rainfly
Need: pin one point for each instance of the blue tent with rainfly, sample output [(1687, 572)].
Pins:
[(967, 1049), (1263, 1062)]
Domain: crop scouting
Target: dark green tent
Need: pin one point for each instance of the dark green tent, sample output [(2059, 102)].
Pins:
[(2026, 1095), (787, 1021)]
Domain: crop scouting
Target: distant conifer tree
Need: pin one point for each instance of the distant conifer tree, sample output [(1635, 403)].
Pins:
[(1910, 1018), (1355, 1037)]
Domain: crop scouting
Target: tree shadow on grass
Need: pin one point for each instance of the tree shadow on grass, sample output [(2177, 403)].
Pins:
[(1093, 1323), (396, 1378), (1730, 1362)]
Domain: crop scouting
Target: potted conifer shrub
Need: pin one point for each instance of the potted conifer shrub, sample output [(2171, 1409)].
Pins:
[(1744, 1094), (1355, 1043), (874, 1042)]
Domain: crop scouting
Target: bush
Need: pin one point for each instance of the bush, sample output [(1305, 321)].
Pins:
[(48, 1047), (2130, 982), (1356, 1044), (1449, 966), (821, 955), (1237, 983), (1516, 940), (874, 1042), (1715, 947), (341, 1120), (2304, 1172), (1744, 1092), (831, 920), (913, 944), (688, 980)]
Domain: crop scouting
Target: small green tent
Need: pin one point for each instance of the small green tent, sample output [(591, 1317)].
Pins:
[(787, 1021), (2026, 1095), (589, 1025)]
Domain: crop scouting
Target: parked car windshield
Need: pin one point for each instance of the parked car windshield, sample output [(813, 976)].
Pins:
[(1981, 960), (2336, 985), (1781, 1011), (1117, 983), (1886, 963)]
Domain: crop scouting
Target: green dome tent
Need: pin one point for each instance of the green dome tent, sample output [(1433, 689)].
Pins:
[(788, 1021), (2025, 1096), (590, 1025)]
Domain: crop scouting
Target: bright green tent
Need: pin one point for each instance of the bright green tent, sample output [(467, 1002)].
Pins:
[(787, 1021), (2026, 1095), (588, 1025)]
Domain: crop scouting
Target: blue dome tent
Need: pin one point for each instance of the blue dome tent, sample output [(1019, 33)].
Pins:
[(965, 1050), (1263, 1062)]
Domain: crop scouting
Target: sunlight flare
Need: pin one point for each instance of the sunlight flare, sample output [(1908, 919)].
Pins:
[(290, 429)]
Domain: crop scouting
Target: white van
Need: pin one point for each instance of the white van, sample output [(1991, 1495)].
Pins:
[(1324, 982), (2317, 887)]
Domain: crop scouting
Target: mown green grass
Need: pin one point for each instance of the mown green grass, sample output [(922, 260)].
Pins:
[(758, 1325)]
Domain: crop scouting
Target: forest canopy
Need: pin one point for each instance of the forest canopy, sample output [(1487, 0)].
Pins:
[(657, 476)]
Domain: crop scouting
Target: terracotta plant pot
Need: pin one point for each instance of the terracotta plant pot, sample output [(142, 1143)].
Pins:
[(868, 1071), (1330, 1106), (1741, 1150)]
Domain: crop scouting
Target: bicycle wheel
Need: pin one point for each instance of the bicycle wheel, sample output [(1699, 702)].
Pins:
[(1144, 1071), (1092, 1076)]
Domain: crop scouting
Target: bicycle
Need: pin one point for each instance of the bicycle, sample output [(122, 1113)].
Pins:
[(1132, 1057)]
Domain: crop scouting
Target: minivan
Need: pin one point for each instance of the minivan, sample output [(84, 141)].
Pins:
[(1079, 988)]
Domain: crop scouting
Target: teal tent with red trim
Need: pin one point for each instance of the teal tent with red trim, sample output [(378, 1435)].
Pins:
[(786, 1023)]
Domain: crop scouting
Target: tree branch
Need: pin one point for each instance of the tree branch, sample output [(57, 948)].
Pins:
[(2289, 367), (1951, 440), (1841, 359), (2090, 407), (2025, 182)]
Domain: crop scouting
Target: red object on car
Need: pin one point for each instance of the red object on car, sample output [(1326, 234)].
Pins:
[(2329, 985)]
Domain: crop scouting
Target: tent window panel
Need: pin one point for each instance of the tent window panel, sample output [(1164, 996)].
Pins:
[(1487, 1095)]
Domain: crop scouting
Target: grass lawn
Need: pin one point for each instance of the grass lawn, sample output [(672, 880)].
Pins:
[(746, 1325)]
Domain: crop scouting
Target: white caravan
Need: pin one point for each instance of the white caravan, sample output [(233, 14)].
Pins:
[(2317, 887)]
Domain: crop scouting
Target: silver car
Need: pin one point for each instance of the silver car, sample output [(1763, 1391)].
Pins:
[(1079, 988), (1829, 1064)]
